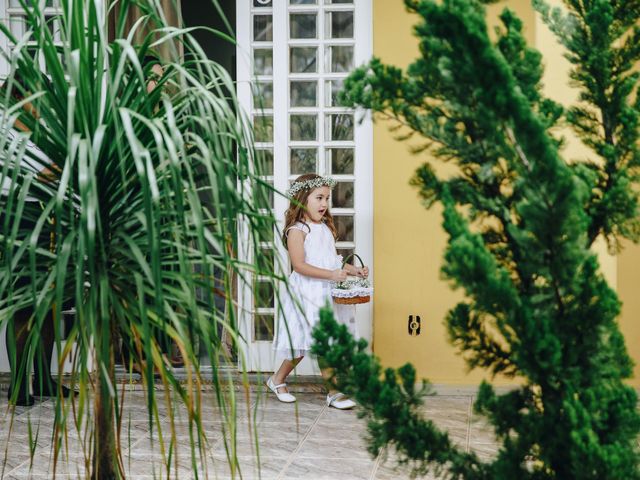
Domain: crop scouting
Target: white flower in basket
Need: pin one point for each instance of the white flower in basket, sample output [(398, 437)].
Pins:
[(353, 290)]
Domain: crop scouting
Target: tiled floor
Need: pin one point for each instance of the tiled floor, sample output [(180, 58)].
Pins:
[(305, 441)]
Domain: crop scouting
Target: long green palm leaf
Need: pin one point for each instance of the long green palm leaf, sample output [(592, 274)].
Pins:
[(137, 219)]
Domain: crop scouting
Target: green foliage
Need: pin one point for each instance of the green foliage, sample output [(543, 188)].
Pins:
[(390, 401), (143, 200), (521, 221)]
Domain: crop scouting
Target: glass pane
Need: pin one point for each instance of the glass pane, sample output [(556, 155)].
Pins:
[(303, 25), (263, 95), (340, 58), (33, 52), (303, 60), (339, 25), (340, 127), (304, 94), (263, 128), (54, 27), (267, 234), (341, 160), (263, 330), (264, 194), (303, 127), (262, 28), (344, 225), (342, 195), (265, 260), (302, 2), (263, 294), (265, 160), (262, 3), (263, 61), (303, 160), (332, 89), (17, 26)]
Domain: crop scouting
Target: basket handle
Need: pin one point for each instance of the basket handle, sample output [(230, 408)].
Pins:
[(344, 262)]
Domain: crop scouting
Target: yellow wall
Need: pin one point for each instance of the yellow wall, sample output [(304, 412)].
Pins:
[(628, 286), (408, 239)]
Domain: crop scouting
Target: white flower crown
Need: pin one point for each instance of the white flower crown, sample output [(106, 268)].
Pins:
[(310, 185)]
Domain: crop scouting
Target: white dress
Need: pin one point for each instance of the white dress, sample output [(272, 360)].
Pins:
[(300, 303)]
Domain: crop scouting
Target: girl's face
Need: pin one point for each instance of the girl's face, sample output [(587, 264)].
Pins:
[(318, 203)]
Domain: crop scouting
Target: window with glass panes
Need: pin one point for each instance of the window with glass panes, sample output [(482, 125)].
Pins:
[(13, 15), (321, 47), (262, 115), (300, 52)]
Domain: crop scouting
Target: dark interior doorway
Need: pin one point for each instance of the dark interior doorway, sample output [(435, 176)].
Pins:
[(218, 15), (204, 13)]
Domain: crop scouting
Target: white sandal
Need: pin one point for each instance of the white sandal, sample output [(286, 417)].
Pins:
[(284, 397), (335, 402)]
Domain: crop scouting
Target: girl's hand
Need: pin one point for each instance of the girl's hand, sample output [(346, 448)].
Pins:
[(362, 272), (338, 275)]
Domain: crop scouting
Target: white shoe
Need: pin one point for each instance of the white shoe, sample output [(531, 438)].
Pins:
[(336, 402), (285, 397)]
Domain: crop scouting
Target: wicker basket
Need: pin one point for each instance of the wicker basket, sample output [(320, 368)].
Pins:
[(351, 300), (356, 299)]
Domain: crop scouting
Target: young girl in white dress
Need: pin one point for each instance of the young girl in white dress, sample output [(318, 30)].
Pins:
[(310, 238)]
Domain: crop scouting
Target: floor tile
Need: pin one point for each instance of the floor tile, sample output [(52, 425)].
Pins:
[(270, 468), (342, 418), (270, 415), (329, 469), (44, 466), (12, 461), (269, 430), (394, 472), (337, 431), (306, 440), (279, 445), (485, 451), (319, 446)]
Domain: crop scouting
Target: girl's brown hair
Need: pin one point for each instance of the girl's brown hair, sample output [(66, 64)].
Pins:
[(298, 207)]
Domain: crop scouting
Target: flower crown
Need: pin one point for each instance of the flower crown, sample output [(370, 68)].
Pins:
[(310, 185)]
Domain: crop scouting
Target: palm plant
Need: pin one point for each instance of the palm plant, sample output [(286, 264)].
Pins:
[(143, 202)]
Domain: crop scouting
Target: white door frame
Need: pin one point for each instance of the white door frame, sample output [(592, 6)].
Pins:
[(259, 355)]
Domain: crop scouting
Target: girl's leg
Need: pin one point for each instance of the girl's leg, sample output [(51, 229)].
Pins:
[(327, 376), (283, 372), (335, 398)]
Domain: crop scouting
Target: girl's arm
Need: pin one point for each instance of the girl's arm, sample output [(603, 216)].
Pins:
[(295, 245)]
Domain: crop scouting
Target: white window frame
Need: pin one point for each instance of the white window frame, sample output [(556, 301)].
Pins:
[(259, 356), (6, 12)]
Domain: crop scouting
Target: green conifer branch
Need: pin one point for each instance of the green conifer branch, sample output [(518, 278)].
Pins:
[(520, 220), (603, 45), (392, 406)]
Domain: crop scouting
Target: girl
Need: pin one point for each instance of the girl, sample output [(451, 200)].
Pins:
[(310, 236)]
